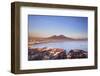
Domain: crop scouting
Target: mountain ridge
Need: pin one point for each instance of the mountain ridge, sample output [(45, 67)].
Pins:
[(59, 37)]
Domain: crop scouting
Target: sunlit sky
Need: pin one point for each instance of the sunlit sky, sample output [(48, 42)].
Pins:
[(45, 26)]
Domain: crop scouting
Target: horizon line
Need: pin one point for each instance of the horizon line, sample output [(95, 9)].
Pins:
[(59, 35)]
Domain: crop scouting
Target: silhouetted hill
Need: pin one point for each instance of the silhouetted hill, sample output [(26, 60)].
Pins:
[(62, 37), (57, 37)]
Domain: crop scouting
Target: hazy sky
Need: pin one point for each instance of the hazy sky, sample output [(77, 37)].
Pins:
[(45, 26)]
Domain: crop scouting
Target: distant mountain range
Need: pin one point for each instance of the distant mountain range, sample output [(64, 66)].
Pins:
[(59, 37)]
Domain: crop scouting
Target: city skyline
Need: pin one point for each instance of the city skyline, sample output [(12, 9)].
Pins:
[(46, 26)]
